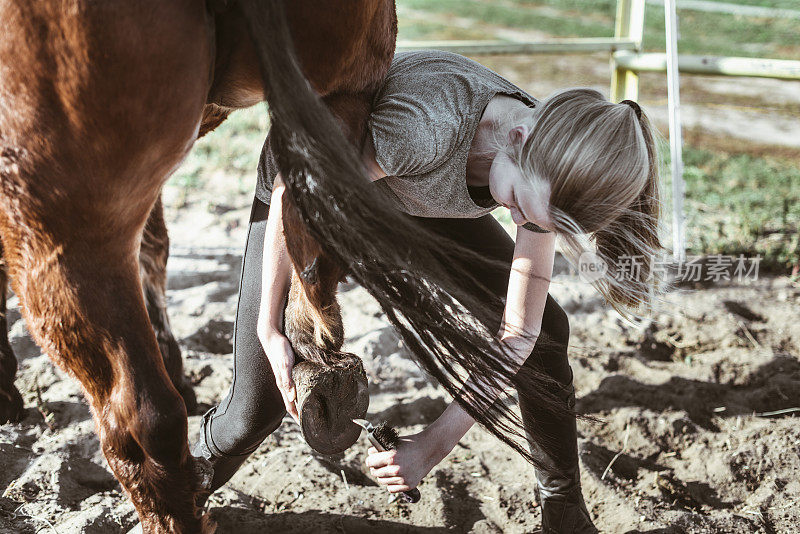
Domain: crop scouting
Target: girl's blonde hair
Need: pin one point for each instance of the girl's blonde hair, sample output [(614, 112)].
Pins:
[(599, 162)]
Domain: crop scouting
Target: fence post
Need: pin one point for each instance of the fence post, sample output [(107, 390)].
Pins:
[(675, 135), (629, 25)]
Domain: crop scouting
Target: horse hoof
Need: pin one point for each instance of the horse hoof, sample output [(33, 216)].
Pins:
[(328, 399), (12, 409)]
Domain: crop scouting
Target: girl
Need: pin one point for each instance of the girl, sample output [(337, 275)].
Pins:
[(450, 141)]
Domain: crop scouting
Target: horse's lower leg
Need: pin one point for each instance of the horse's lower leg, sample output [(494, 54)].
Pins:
[(153, 262), (332, 385), (313, 318), (85, 308), (75, 193), (153, 257), (11, 406)]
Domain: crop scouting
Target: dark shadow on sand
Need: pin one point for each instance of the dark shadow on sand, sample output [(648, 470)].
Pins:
[(773, 386), (247, 521)]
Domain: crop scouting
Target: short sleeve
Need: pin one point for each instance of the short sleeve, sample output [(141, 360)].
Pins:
[(266, 172), (407, 141), (534, 228)]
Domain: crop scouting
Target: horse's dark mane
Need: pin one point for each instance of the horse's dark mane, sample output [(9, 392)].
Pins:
[(406, 268)]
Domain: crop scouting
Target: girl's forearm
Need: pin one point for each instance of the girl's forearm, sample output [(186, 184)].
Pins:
[(276, 268), (454, 422), (492, 387), (449, 428)]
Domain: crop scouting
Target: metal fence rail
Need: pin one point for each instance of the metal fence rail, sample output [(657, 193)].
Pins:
[(783, 69), (554, 46)]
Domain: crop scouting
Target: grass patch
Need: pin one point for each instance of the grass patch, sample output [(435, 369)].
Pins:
[(700, 33), (418, 28), (781, 4), (742, 204), (232, 149), (726, 35), (559, 22)]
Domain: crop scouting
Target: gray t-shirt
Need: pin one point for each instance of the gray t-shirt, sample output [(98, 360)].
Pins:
[(422, 124)]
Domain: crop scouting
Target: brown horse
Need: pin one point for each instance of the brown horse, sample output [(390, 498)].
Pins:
[(99, 103)]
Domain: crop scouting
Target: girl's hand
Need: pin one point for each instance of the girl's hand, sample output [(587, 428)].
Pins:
[(402, 469), (281, 358)]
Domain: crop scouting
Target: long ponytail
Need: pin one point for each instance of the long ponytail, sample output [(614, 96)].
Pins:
[(630, 245), (600, 164)]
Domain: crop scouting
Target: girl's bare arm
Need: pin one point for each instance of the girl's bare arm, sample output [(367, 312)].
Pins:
[(276, 269), (275, 280), (529, 281), (531, 269)]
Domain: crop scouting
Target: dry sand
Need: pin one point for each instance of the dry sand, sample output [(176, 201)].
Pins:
[(677, 400)]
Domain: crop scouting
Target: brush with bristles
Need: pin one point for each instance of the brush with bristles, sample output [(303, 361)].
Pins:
[(384, 438)]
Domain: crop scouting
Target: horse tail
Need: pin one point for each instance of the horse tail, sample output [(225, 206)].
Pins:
[(406, 268)]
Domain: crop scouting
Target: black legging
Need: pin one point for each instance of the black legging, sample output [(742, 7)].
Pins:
[(253, 407)]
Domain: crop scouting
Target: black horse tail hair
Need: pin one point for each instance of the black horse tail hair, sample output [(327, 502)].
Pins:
[(406, 268)]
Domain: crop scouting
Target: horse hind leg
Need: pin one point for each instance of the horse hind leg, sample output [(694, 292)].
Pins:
[(331, 384), (313, 318), (12, 408), (75, 194), (84, 306), (153, 256)]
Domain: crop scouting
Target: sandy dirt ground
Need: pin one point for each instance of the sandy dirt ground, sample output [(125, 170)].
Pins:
[(686, 442)]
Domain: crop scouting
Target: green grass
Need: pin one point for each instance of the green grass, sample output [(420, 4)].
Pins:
[(421, 29), (782, 4), (610, 5), (742, 204), (726, 35), (556, 22), (700, 33), (232, 149)]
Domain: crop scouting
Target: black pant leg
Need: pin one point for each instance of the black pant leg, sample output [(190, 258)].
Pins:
[(253, 407)]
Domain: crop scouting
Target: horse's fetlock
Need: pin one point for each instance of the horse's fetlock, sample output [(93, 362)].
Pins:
[(161, 429)]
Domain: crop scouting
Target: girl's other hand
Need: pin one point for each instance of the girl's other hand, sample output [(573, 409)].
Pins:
[(402, 469), (281, 358)]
